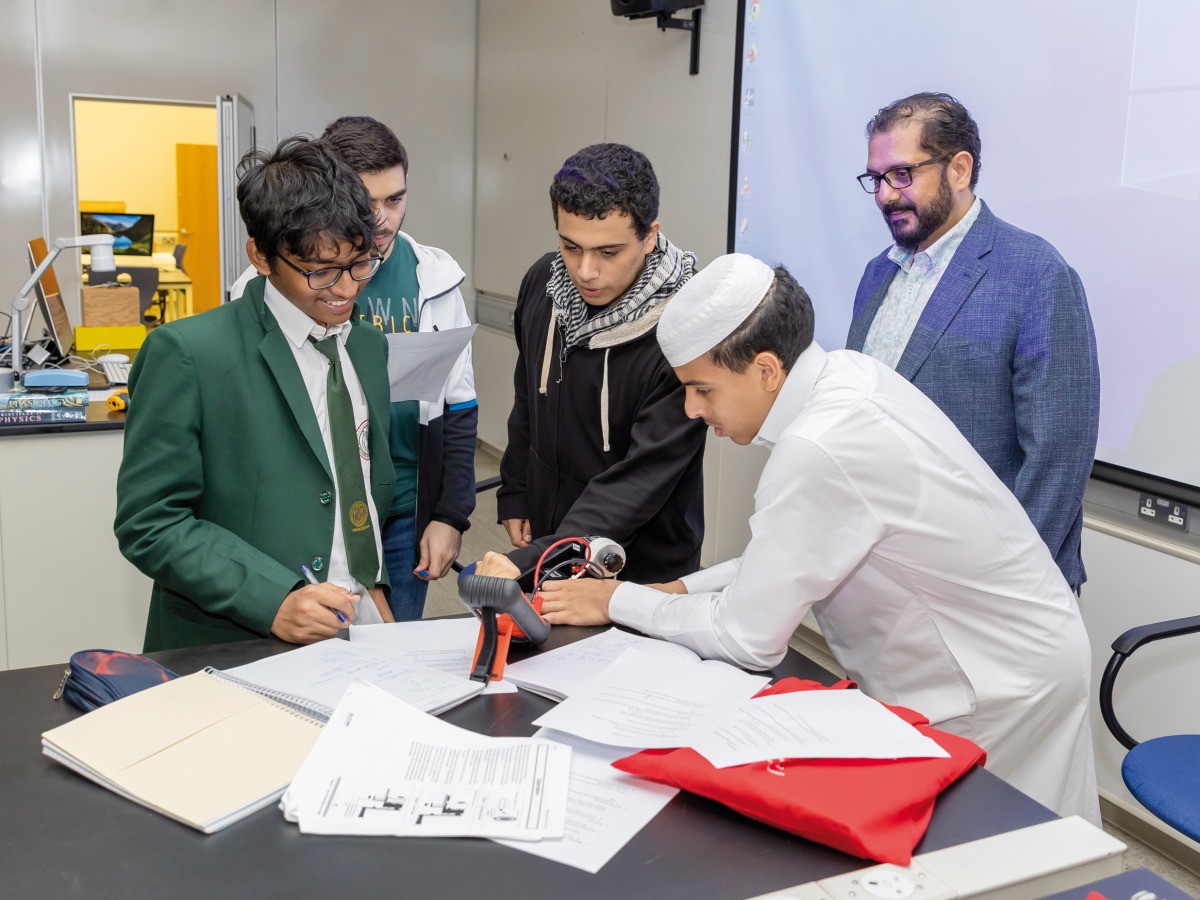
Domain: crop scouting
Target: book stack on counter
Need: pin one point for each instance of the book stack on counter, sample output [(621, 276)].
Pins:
[(20, 406)]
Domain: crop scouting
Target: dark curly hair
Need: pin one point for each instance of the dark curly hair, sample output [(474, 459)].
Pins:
[(781, 324), (301, 195), (946, 126), (366, 144), (606, 177)]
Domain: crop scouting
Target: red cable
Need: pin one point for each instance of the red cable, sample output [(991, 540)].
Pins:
[(537, 571)]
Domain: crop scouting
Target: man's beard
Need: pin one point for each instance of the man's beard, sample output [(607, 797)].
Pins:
[(929, 219), (391, 238)]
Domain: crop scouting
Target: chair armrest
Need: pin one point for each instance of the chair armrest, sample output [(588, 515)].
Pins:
[(1123, 647), (1144, 634)]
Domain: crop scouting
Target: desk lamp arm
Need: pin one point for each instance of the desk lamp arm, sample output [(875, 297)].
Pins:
[(102, 261)]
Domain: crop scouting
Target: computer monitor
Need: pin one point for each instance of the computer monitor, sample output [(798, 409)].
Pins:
[(133, 233), (49, 303)]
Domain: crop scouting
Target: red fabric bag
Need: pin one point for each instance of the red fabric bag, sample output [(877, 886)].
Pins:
[(876, 809)]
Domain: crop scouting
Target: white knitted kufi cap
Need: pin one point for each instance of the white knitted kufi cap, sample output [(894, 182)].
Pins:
[(711, 306)]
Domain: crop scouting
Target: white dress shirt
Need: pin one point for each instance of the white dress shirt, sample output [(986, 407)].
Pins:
[(929, 582), (298, 327), (910, 290)]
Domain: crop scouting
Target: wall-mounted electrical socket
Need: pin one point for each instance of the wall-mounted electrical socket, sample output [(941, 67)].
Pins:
[(1164, 511)]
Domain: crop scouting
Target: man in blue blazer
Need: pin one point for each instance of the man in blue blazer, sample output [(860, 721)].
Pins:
[(988, 320), (230, 489)]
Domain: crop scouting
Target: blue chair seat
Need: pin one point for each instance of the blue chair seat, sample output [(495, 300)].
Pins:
[(1174, 799), (1162, 773)]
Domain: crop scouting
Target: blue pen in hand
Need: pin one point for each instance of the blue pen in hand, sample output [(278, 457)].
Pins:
[(312, 579)]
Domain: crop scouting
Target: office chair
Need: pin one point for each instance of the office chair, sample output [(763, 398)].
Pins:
[(1163, 773), (180, 249)]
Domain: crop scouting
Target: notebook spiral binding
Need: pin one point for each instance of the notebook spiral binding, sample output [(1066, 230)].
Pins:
[(316, 712)]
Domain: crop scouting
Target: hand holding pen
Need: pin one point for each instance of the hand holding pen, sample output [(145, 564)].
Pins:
[(314, 611), (312, 579)]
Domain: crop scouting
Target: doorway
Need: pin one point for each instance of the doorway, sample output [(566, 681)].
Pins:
[(156, 159)]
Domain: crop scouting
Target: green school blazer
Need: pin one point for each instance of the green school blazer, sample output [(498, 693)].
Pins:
[(225, 489)]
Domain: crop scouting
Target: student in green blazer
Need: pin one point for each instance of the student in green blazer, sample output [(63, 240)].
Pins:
[(228, 483)]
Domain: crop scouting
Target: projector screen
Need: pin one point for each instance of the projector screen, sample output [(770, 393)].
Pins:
[(1089, 116)]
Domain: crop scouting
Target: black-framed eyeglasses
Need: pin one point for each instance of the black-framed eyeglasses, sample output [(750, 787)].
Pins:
[(327, 276), (897, 177)]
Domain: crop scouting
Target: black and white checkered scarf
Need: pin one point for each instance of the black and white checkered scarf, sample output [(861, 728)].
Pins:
[(667, 268)]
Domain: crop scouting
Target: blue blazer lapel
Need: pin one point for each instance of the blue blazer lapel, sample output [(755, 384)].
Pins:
[(965, 270), (278, 356), (884, 270)]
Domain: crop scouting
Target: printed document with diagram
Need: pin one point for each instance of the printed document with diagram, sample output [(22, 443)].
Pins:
[(382, 767)]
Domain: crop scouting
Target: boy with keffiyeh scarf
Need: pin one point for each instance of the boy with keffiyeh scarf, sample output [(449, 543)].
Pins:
[(598, 440)]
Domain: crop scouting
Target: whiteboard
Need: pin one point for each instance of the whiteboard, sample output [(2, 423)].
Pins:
[(1090, 122)]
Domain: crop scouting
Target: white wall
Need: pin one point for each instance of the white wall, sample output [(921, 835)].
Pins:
[(20, 143), (409, 64), (555, 77)]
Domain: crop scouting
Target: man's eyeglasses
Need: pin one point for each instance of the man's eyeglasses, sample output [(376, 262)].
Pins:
[(327, 276), (897, 177)]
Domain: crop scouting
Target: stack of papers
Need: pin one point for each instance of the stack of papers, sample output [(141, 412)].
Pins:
[(382, 767)]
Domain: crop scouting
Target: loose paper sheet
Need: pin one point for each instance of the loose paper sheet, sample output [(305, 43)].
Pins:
[(419, 362), (643, 700), (447, 645), (812, 725), (647, 701), (605, 807), (560, 672)]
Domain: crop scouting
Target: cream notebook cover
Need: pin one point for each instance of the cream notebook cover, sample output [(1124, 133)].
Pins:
[(199, 749)]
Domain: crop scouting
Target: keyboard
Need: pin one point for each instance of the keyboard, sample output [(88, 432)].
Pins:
[(116, 372)]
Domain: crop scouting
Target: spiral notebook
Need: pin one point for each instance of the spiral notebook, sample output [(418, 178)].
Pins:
[(312, 679), (210, 748), (202, 750)]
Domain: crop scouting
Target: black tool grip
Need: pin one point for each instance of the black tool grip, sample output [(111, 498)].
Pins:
[(483, 592)]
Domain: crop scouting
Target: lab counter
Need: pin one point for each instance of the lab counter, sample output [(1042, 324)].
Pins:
[(64, 585)]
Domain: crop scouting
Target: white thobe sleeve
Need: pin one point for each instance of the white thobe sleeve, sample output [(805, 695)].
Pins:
[(811, 529)]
